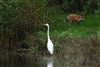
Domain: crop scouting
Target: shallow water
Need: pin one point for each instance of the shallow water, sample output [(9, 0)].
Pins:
[(27, 59), (24, 59)]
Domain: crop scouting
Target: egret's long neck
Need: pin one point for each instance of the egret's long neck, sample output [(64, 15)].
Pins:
[(48, 32)]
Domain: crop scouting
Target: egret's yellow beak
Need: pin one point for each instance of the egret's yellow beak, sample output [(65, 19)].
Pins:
[(44, 24)]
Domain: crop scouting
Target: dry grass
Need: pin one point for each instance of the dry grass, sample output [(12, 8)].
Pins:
[(78, 52)]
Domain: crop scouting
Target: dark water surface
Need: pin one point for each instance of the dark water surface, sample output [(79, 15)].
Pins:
[(28, 59), (24, 59)]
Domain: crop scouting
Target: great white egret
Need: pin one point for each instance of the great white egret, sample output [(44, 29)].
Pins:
[(50, 46)]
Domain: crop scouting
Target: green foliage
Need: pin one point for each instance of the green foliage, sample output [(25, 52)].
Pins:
[(88, 6), (19, 17)]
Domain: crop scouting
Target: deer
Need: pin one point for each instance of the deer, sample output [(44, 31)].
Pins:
[(75, 18)]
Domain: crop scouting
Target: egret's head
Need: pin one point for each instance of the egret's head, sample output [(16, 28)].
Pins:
[(46, 24)]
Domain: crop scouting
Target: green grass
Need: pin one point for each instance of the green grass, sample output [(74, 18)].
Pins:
[(59, 26)]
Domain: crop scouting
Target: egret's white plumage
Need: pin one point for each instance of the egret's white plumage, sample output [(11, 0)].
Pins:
[(50, 46), (49, 43)]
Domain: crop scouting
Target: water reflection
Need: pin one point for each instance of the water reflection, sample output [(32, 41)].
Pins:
[(50, 62), (26, 59), (16, 59)]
